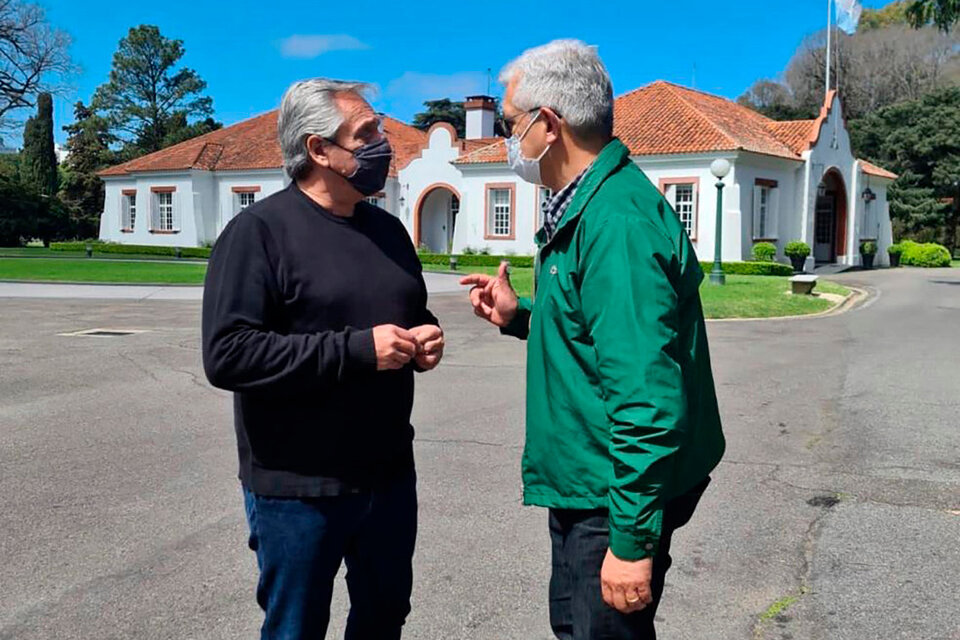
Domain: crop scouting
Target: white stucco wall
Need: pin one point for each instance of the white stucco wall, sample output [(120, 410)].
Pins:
[(789, 192), (224, 207), (191, 222)]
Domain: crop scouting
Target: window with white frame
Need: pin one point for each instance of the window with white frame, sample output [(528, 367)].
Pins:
[(245, 199), (128, 211), (682, 196), (765, 213), (500, 211), (543, 199), (164, 212)]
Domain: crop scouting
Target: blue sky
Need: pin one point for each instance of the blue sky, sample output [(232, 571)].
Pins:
[(249, 52)]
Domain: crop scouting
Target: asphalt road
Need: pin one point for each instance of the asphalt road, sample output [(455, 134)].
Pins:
[(836, 511)]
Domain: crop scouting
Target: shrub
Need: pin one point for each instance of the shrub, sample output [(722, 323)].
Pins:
[(924, 255), (127, 249), (895, 249), (796, 249), (476, 260), (868, 248), (751, 268), (764, 251)]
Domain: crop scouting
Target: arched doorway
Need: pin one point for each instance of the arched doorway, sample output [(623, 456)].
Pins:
[(435, 218), (830, 219)]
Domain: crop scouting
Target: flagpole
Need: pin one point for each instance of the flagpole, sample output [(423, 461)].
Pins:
[(829, 29)]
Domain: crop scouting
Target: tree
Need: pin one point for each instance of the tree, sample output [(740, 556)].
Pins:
[(18, 212), (774, 100), (88, 151), (943, 13), (920, 140), (32, 56), (179, 130), (890, 15), (147, 98), (443, 110), (38, 163)]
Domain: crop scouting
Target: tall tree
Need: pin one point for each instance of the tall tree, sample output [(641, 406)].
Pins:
[(32, 57), (443, 110), (943, 13), (146, 93), (88, 151), (774, 100), (920, 140), (38, 166)]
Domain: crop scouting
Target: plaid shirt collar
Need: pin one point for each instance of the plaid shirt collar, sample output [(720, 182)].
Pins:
[(554, 208)]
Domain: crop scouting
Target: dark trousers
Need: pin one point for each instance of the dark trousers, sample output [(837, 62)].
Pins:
[(580, 539), (300, 543)]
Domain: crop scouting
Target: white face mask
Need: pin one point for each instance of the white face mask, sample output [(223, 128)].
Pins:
[(527, 168)]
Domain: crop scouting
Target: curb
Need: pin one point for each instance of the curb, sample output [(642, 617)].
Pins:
[(853, 301)]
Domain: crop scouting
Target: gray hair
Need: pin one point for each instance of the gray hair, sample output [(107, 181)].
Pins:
[(308, 109), (568, 77)]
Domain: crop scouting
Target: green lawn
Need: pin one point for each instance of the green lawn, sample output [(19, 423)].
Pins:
[(86, 270), (741, 297), (41, 252)]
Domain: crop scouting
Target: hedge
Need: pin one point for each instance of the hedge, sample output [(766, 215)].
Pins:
[(750, 268), (474, 260), (764, 252), (138, 249), (924, 255)]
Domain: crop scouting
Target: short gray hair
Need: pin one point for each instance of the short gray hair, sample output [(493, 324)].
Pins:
[(568, 77), (308, 109)]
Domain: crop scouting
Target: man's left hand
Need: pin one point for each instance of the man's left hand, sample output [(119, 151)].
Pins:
[(626, 583), (431, 342)]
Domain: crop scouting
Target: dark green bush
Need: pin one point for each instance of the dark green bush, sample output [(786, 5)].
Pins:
[(924, 255), (868, 248), (128, 249), (796, 249), (764, 252), (747, 268), (476, 260), (895, 249)]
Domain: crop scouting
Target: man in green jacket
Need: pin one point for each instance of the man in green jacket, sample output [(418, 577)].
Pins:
[(622, 426)]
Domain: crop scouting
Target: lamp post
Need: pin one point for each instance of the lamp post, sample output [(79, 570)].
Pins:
[(719, 168)]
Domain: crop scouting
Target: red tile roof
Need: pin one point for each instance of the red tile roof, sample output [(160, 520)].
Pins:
[(252, 144), (874, 170)]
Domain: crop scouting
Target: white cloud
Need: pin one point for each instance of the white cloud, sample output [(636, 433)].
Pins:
[(311, 46), (432, 86)]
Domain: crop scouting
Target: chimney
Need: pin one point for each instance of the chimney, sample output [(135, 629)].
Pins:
[(481, 111)]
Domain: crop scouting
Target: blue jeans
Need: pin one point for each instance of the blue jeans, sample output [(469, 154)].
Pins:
[(300, 543), (579, 540)]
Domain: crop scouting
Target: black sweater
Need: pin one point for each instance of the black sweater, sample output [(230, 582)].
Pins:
[(291, 297)]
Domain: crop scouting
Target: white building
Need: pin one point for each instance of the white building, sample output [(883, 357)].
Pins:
[(794, 180)]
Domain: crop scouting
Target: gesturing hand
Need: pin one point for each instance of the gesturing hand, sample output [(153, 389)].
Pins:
[(493, 297), (625, 583), (431, 342), (395, 346)]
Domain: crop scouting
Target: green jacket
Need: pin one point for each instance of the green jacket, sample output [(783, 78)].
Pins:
[(621, 407)]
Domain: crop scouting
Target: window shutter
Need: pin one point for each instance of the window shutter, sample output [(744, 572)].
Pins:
[(175, 202), (154, 212), (671, 195), (123, 211), (773, 213), (758, 230), (696, 213)]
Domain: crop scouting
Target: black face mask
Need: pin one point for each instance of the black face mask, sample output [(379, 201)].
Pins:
[(373, 165)]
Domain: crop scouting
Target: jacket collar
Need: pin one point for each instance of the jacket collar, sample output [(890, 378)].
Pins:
[(610, 158)]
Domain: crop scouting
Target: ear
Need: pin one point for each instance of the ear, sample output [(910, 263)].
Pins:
[(317, 150), (552, 121)]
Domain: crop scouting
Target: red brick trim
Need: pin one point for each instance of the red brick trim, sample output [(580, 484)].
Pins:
[(128, 192), (512, 186), (162, 189), (245, 189), (665, 182), (763, 182)]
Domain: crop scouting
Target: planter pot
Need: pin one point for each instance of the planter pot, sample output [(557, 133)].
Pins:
[(867, 259), (797, 262), (894, 259)]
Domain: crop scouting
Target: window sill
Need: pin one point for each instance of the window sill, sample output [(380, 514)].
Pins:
[(774, 240), (511, 237), (126, 230), (163, 233)]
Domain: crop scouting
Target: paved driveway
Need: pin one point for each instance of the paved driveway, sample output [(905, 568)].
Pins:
[(120, 515)]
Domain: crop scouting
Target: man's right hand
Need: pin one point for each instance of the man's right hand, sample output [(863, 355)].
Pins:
[(395, 346), (493, 297)]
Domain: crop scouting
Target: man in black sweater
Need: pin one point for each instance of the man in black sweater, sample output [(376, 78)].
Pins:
[(315, 316)]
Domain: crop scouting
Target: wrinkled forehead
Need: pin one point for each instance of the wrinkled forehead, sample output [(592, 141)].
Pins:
[(354, 107)]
